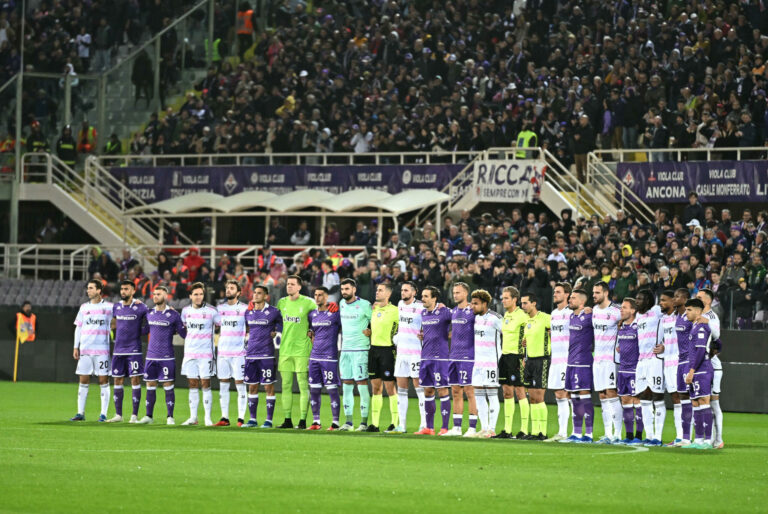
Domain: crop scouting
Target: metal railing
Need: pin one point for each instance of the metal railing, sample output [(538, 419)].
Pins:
[(678, 154), (564, 181), (106, 186), (600, 176), (243, 159), (72, 262), (99, 193)]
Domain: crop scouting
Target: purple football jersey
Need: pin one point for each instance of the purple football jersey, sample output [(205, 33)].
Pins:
[(628, 349), (683, 329), (261, 323), (435, 326), (581, 339), (326, 326), (162, 326), (698, 347), (130, 325), (462, 334)]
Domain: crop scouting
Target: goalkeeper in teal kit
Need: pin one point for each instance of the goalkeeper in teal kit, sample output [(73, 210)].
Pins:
[(355, 343)]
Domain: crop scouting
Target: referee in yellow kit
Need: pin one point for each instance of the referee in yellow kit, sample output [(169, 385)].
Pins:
[(381, 359), (536, 340)]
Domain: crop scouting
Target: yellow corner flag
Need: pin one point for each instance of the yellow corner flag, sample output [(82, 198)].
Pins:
[(25, 331)]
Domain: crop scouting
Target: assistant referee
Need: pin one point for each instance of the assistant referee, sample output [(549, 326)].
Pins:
[(511, 362), (381, 359), (538, 351)]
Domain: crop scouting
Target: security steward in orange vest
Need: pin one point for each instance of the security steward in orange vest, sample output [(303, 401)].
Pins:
[(244, 28)]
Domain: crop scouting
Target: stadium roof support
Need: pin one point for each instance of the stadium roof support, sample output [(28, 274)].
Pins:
[(314, 203)]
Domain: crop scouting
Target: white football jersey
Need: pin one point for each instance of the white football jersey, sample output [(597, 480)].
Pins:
[(560, 319), (649, 332), (232, 333), (714, 323), (407, 337), (669, 333), (94, 321), (199, 322), (605, 322), (488, 339)]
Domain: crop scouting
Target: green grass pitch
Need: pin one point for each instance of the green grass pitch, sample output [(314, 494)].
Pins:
[(52, 465)]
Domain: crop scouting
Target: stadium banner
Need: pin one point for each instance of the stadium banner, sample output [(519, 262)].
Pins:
[(153, 184), (509, 180), (714, 181)]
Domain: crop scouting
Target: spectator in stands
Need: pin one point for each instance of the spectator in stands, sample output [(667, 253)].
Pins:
[(301, 236), (583, 143), (103, 265), (267, 258), (142, 78), (173, 236), (163, 264), (181, 274), (694, 209), (742, 305), (102, 44), (192, 262), (331, 280), (331, 236), (127, 262), (48, 233), (278, 235)]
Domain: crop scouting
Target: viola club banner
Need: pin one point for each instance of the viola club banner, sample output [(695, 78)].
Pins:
[(714, 181), (154, 184), (509, 181)]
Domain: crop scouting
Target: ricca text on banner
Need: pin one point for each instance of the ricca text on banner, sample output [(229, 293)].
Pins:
[(509, 181)]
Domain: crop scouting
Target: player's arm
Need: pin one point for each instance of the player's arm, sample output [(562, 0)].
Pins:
[(144, 323), (180, 327), (395, 326), (311, 332), (78, 326), (76, 352), (278, 337)]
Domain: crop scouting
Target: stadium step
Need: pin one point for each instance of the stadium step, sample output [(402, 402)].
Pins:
[(110, 221), (581, 206)]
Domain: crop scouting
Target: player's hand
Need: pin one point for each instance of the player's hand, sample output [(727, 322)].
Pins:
[(524, 343), (587, 310), (76, 354), (333, 307), (689, 377), (421, 335), (658, 349), (272, 334), (367, 332)]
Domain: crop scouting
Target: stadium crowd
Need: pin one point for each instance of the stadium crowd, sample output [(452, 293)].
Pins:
[(699, 249), (430, 76)]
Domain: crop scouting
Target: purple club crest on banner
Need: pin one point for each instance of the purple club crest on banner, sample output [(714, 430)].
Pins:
[(713, 181), (153, 184)]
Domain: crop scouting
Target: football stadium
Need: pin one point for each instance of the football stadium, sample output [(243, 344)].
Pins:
[(398, 256)]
